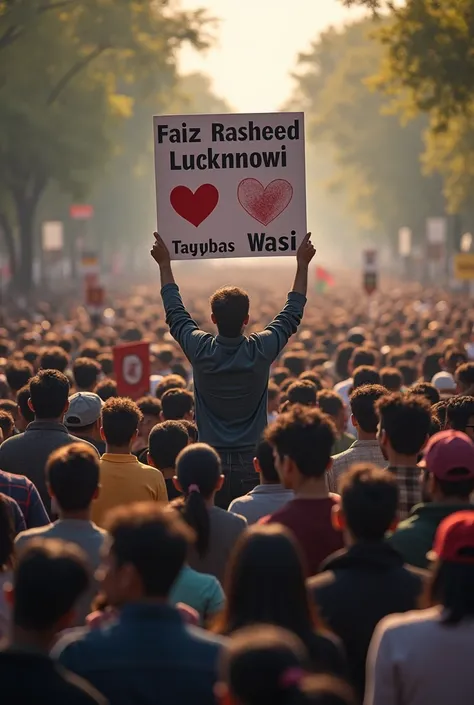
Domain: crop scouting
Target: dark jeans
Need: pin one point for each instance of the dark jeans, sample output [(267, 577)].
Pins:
[(240, 476)]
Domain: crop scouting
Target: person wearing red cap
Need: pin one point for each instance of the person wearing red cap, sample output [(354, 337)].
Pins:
[(448, 482), (424, 657)]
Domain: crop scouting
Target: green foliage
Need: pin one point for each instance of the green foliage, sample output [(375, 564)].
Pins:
[(378, 157)]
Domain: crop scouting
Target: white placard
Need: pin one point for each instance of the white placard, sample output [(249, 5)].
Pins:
[(52, 236), (230, 185), (436, 230), (404, 242)]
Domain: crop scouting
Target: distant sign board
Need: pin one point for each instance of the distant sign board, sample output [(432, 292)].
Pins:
[(464, 267), (230, 185), (52, 236), (81, 211), (370, 271)]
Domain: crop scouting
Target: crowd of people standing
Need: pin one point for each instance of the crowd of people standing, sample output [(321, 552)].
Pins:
[(285, 519)]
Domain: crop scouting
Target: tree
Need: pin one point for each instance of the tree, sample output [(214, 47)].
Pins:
[(57, 123), (378, 157)]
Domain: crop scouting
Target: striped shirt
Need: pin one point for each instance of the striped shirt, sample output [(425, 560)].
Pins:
[(359, 452), (26, 496)]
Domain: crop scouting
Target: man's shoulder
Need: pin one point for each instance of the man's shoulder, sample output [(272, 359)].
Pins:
[(345, 455), (212, 642), (230, 518), (39, 532)]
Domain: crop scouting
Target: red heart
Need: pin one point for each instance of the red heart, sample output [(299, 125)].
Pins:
[(194, 207), (264, 204)]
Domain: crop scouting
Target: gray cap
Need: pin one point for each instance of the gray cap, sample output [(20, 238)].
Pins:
[(84, 409)]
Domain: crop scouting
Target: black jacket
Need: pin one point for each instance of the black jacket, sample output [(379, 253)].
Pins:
[(356, 589)]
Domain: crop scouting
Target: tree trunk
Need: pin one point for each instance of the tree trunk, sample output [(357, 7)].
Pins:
[(24, 276), (7, 229)]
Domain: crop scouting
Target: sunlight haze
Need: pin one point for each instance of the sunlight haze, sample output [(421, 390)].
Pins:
[(257, 44)]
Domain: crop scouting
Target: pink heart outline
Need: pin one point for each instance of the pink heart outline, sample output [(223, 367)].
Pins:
[(254, 203)]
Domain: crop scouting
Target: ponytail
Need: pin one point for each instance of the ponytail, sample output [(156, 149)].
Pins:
[(196, 515)]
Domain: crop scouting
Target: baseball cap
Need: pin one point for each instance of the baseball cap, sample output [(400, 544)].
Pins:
[(454, 540), (444, 383), (447, 452), (84, 409), (356, 335)]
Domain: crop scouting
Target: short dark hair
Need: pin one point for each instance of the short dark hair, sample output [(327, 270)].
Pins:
[(150, 406), (458, 412), (120, 419), (305, 435), (365, 374), (90, 349), (295, 361), (454, 358), (7, 423), (343, 356), (72, 473), (56, 573), (22, 400), (406, 419), (391, 379), (426, 390), (106, 361), (279, 375), (106, 389), (54, 358), (465, 376), (165, 443), (273, 391), (31, 354), (18, 373), (330, 402), (230, 307), (264, 455), (170, 382), (304, 393), (86, 372), (192, 430), (369, 500), (154, 539), (409, 372), (431, 365), (49, 392), (10, 405), (176, 403), (363, 401), (311, 376), (362, 356)]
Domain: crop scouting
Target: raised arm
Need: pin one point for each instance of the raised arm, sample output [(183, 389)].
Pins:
[(279, 331), (182, 327)]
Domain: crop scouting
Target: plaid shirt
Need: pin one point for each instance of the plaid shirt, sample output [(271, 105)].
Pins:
[(409, 487), (26, 496), (359, 452)]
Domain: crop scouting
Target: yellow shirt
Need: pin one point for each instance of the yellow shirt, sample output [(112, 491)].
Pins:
[(125, 480)]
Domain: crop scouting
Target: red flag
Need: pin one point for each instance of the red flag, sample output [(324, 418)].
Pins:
[(322, 275), (132, 369)]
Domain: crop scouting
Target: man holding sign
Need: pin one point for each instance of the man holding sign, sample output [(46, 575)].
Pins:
[(230, 370)]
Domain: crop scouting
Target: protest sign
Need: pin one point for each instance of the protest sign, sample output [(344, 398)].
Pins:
[(230, 185), (132, 369)]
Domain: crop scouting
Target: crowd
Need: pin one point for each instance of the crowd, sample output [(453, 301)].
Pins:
[(285, 519)]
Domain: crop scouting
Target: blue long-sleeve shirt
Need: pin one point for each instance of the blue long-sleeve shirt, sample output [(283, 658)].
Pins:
[(231, 374)]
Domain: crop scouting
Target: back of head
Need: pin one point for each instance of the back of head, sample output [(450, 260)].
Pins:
[(428, 391), (391, 379), (153, 539), (454, 358), (295, 362), (265, 582), (369, 501), (165, 443), (72, 473), (306, 436), (431, 365), (54, 358), (303, 392), (18, 373), (459, 412), (49, 392), (465, 377), (343, 356), (363, 401), (7, 424), (86, 372), (311, 376), (106, 389), (22, 398), (409, 372), (363, 357), (169, 382), (198, 469), (106, 361), (365, 374), (230, 309), (57, 574), (176, 404), (406, 421), (330, 402), (264, 455), (256, 666), (120, 419)]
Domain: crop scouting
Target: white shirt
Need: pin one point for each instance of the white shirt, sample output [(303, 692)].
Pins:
[(344, 390), (415, 659)]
